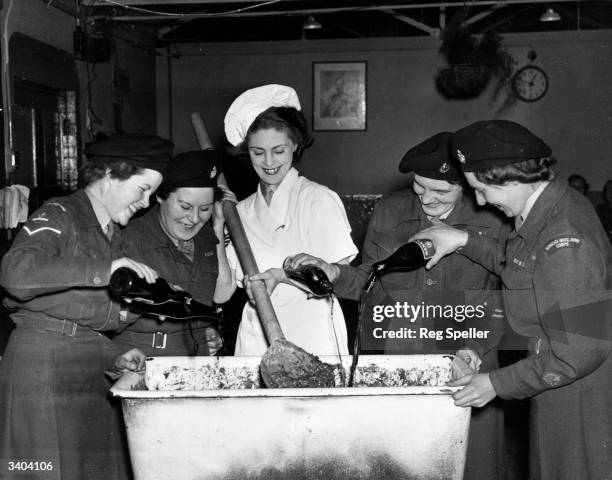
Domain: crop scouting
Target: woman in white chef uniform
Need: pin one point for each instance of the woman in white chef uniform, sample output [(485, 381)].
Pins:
[(288, 214)]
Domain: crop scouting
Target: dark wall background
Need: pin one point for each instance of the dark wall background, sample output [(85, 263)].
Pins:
[(403, 106)]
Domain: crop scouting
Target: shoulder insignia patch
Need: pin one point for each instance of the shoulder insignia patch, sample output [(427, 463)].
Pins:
[(562, 242), (41, 229), (57, 205)]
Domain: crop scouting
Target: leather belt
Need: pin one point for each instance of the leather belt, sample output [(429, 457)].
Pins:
[(160, 340), (64, 327)]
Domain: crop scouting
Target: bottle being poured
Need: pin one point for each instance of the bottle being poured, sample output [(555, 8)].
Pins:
[(310, 279), (159, 299), (410, 256)]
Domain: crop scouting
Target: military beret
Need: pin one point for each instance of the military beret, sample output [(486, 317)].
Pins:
[(141, 150), (495, 143), (193, 169), (432, 159), (250, 104)]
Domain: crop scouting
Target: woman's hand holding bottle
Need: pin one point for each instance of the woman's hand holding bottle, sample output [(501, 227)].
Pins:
[(330, 269), (142, 270)]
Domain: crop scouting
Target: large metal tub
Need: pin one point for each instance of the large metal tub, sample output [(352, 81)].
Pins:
[(410, 432)]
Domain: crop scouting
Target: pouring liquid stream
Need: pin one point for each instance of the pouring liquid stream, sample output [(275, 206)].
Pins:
[(410, 256), (315, 283)]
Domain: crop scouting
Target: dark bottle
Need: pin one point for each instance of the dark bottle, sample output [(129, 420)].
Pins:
[(159, 299), (410, 256), (310, 279)]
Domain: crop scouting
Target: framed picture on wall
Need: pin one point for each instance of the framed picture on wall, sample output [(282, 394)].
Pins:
[(339, 96)]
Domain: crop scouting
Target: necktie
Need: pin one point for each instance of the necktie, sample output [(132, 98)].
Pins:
[(108, 231), (518, 222), (186, 247)]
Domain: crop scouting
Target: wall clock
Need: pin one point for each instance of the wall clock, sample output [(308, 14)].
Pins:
[(530, 83)]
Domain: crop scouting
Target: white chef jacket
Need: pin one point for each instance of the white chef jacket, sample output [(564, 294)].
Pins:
[(303, 216)]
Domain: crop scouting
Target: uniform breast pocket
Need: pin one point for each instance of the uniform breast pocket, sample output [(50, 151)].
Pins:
[(518, 292), (85, 247)]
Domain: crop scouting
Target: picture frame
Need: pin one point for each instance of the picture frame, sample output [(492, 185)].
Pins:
[(339, 96)]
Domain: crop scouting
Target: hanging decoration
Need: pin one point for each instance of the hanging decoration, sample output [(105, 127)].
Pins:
[(472, 63)]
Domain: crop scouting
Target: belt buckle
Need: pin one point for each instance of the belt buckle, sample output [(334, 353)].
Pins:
[(72, 331), (159, 340)]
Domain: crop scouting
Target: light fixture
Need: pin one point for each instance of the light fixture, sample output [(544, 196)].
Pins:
[(311, 23), (550, 16)]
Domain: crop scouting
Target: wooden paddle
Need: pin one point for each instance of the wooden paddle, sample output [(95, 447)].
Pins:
[(284, 365)]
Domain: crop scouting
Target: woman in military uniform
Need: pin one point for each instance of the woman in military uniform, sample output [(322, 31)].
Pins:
[(53, 406), (182, 238), (436, 195), (556, 280)]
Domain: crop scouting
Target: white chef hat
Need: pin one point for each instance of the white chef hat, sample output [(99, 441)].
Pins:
[(243, 111)]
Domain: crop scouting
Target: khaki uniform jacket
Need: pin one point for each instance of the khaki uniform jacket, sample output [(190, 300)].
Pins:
[(59, 264), (396, 218), (456, 279), (556, 280), (144, 240), (53, 394)]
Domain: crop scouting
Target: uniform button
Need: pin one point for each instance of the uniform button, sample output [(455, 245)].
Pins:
[(552, 379), (429, 282), (97, 280)]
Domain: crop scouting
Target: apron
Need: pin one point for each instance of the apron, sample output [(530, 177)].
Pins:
[(303, 216)]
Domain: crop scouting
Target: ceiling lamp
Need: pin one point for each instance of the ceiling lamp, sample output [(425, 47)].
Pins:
[(550, 16), (311, 23)]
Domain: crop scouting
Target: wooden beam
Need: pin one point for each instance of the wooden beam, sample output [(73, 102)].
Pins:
[(481, 15), (162, 3), (434, 32), (253, 12)]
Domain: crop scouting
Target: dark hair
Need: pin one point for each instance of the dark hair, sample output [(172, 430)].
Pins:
[(526, 171), (461, 181), (282, 119), (96, 168), (164, 192)]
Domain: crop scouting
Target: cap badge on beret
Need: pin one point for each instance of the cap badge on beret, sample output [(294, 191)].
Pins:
[(460, 156), (213, 172), (445, 167)]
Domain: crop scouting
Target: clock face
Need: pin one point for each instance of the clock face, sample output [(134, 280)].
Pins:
[(530, 83)]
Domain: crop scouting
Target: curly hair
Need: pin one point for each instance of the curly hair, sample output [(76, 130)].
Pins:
[(96, 168), (283, 119), (526, 171)]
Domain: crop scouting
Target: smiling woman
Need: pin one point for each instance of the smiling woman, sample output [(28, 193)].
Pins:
[(555, 271), (287, 215), (437, 197), (52, 373), (182, 238)]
